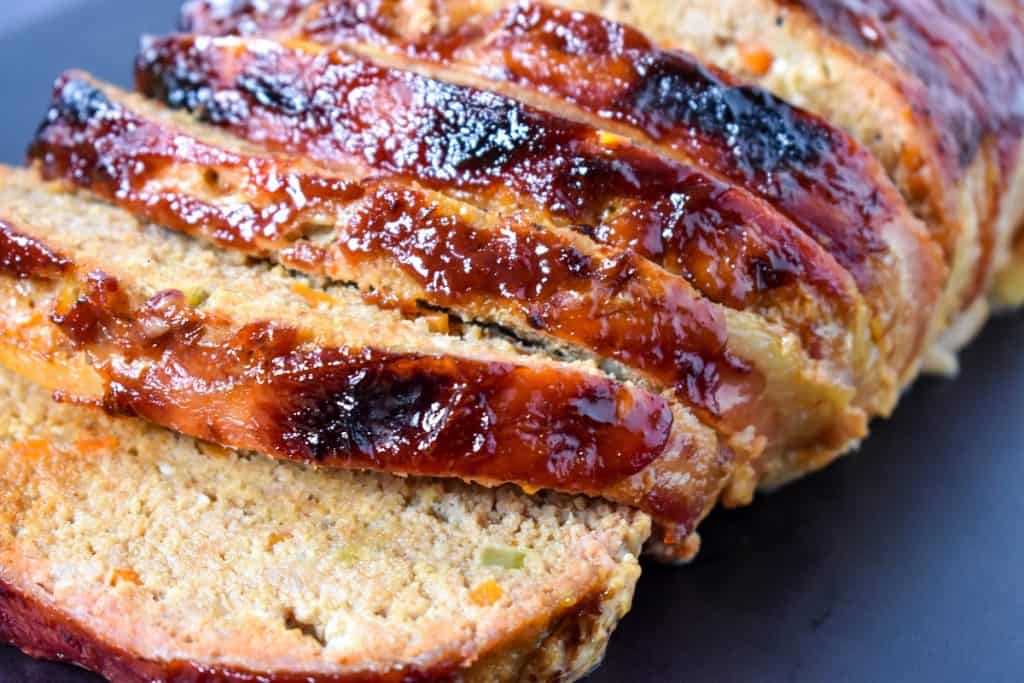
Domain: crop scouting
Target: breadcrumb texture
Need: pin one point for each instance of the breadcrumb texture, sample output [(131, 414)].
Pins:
[(160, 555)]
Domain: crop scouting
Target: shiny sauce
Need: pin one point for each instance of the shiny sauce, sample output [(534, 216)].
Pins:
[(268, 387), (815, 174), (612, 303), (498, 153)]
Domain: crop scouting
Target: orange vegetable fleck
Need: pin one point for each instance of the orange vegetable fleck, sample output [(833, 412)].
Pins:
[(438, 323), (756, 59), (312, 296), (486, 593), (93, 445), (610, 139), (32, 449), (276, 538), (214, 450), (300, 45), (124, 576)]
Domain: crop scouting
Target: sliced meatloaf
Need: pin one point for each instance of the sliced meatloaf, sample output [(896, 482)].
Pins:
[(144, 555), (142, 320), (611, 76), (741, 372), (934, 90), (589, 72)]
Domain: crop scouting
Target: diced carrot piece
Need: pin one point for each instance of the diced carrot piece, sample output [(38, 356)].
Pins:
[(486, 593), (756, 59), (124, 576), (94, 445), (32, 449), (313, 297), (275, 538)]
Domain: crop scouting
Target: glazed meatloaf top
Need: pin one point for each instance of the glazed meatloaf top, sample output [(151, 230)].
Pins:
[(933, 89), (826, 191)]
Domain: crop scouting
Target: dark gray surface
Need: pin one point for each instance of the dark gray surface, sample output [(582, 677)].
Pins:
[(17, 13), (903, 562)]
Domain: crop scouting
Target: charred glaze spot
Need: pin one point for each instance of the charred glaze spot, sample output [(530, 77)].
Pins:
[(23, 256), (383, 411), (274, 92), (183, 87), (365, 411), (80, 101), (757, 127)]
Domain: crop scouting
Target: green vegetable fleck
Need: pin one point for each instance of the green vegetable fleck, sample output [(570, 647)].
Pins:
[(507, 558), (196, 296)]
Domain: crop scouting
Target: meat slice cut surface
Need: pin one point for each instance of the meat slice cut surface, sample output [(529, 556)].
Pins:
[(185, 561)]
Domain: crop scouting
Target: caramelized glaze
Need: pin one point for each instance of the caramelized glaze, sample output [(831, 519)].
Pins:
[(734, 248), (811, 171), (23, 257), (855, 231), (612, 303), (271, 388)]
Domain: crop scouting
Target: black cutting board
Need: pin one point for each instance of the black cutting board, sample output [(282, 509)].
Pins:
[(902, 562)]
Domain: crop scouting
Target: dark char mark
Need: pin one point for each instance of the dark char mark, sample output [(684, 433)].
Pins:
[(760, 130)]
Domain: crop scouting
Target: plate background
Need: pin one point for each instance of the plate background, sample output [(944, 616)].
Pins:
[(904, 562)]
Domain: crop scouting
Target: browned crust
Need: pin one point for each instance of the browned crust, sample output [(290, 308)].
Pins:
[(41, 631), (396, 239)]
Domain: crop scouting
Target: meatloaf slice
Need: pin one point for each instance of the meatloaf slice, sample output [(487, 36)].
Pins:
[(589, 71), (251, 357), (145, 555)]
